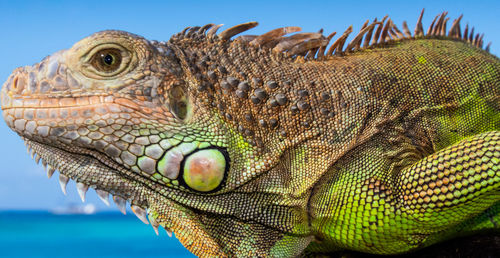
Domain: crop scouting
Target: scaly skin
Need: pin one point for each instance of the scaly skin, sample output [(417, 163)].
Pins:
[(267, 146)]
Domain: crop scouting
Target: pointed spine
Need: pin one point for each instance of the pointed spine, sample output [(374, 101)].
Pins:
[(436, 31), (204, 28), (235, 30), (419, 28), (154, 223), (443, 27), (370, 33), (342, 39), (82, 190), (213, 30), (378, 31), (406, 30), (399, 34), (455, 28), (140, 213), (480, 43), (121, 204), (471, 35), (431, 27), (356, 42), (63, 182), (104, 196), (289, 42), (50, 171), (384, 31), (466, 32), (322, 49), (273, 34), (169, 231)]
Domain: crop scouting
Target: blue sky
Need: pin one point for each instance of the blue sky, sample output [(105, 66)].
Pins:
[(32, 30)]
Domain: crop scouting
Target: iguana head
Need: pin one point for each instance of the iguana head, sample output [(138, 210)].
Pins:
[(160, 125)]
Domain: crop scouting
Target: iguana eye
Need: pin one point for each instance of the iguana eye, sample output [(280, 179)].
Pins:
[(107, 60), (204, 170)]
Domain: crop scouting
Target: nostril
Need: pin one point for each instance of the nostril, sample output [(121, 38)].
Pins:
[(14, 83), (18, 83)]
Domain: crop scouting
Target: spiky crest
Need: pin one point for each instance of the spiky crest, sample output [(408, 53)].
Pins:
[(314, 45)]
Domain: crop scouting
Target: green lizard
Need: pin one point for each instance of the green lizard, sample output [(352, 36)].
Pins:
[(275, 145)]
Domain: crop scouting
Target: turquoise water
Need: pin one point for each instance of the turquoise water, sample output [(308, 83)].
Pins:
[(42, 234)]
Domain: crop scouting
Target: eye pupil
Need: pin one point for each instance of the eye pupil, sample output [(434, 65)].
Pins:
[(108, 59)]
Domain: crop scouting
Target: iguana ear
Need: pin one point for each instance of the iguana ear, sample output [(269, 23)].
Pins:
[(175, 86), (178, 102)]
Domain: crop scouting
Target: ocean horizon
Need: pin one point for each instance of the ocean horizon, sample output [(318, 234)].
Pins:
[(37, 233)]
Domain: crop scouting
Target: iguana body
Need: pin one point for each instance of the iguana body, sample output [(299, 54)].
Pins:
[(272, 145)]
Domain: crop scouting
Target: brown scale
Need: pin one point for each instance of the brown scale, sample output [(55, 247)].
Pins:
[(249, 71)]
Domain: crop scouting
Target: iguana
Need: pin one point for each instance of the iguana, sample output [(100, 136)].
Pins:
[(276, 145)]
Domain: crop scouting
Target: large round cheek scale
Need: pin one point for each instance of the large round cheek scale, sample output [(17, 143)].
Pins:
[(204, 170)]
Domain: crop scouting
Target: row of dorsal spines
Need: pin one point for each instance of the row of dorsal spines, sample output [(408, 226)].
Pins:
[(312, 45)]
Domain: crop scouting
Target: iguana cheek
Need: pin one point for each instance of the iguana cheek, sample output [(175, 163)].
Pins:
[(204, 170), (169, 165)]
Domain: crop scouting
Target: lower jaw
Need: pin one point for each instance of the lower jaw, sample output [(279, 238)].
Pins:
[(88, 171)]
